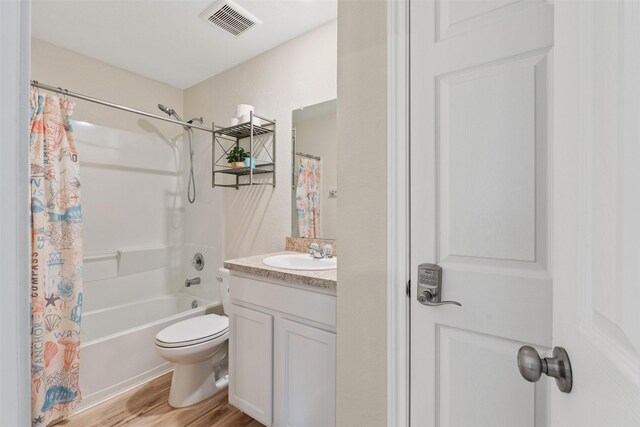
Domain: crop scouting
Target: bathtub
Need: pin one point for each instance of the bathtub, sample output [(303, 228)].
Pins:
[(117, 343)]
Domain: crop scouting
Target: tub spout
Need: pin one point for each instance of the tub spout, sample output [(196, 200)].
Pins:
[(194, 281)]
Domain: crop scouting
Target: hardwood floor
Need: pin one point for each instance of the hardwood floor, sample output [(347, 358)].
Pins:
[(147, 406)]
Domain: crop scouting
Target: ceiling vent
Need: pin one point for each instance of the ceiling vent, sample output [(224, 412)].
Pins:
[(230, 17)]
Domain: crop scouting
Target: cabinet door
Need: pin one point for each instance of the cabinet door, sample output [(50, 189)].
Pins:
[(251, 363), (306, 359)]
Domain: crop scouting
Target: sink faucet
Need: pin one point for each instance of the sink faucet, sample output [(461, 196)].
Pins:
[(315, 252), (194, 281)]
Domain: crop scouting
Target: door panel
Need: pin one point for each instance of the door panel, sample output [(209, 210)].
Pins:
[(486, 154), (508, 400), (480, 208), (454, 17)]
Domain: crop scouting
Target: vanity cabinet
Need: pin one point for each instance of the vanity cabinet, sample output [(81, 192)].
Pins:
[(282, 365)]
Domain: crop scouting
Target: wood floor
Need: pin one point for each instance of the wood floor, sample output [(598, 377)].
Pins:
[(147, 406)]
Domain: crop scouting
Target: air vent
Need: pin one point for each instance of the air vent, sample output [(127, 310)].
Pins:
[(230, 17)]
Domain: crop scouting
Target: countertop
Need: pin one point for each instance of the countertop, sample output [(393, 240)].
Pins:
[(326, 279)]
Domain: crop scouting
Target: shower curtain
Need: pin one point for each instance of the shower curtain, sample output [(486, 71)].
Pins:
[(56, 263), (308, 198)]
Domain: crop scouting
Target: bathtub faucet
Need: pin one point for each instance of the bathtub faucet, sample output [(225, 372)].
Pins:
[(194, 281)]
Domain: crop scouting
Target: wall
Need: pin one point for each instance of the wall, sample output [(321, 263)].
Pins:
[(362, 225), (15, 259), (57, 66), (297, 73), (317, 136)]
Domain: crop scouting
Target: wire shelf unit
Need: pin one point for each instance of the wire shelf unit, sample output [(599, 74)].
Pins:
[(259, 140)]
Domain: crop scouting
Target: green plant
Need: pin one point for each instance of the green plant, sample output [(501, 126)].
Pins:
[(237, 154)]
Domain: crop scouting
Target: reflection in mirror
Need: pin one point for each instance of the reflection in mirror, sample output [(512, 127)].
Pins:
[(314, 171)]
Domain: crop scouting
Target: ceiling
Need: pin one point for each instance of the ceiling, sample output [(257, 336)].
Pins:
[(166, 40)]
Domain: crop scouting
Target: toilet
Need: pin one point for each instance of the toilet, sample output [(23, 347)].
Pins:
[(198, 347)]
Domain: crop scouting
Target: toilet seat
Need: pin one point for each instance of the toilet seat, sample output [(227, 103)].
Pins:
[(196, 330)]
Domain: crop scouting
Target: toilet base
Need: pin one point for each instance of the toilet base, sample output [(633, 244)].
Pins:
[(194, 383)]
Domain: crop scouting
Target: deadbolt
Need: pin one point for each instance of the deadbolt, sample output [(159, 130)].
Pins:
[(532, 367)]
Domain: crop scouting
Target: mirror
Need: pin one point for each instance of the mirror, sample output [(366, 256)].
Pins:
[(314, 189)]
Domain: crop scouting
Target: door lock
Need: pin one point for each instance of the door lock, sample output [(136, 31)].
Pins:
[(430, 286)]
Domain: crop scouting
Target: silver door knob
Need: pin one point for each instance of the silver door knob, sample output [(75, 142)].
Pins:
[(531, 366)]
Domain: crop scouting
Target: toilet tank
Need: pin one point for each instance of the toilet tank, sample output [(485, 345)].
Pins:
[(223, 281)]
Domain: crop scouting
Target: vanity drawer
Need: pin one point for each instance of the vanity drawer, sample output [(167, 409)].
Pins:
[(307, 304)]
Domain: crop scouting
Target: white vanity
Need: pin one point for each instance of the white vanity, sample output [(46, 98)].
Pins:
[(282, 343)]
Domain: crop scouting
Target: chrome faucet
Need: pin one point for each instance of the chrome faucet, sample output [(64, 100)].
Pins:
[(315, 252), (194, 281)]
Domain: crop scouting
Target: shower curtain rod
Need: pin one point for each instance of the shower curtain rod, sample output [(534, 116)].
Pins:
[(307, 155), (66, 92)]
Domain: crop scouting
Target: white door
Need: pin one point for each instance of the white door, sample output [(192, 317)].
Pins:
[(597, 211), (480, 208)]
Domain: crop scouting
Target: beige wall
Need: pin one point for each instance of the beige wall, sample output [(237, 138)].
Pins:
[(362, 224), (317, 136), (297, 73), (57, 66)]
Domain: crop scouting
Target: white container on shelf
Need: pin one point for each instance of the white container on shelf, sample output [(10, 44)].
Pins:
[(246, 117), (242, 109)]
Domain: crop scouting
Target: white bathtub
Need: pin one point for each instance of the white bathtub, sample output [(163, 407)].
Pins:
[(117, 350)]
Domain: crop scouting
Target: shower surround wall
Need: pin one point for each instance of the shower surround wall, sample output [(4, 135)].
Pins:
[(137, 241), (297, 73), (133, 215)]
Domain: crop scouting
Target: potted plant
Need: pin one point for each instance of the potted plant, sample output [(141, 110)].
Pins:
[(236, 156)]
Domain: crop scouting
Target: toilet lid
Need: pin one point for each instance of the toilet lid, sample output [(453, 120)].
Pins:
[(196, 329)]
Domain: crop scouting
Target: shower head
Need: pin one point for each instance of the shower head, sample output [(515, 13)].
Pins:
[(171, 112), (166, 110)]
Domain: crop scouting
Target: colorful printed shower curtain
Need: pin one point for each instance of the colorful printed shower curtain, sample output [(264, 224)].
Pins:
[(56, 263), (308, 198)]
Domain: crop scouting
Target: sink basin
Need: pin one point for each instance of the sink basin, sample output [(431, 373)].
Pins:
[(300, 262)]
